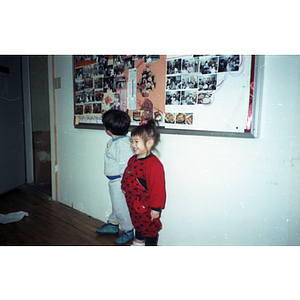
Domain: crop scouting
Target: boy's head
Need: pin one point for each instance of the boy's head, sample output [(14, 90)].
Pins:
[(116, 121)]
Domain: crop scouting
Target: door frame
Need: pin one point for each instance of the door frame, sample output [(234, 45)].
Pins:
[(29, 164), (53, 125)]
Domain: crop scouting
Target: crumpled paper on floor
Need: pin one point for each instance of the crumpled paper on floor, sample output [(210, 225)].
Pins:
[(12, 217)]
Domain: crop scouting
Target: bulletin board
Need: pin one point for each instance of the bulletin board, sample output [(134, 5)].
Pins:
[(186, 94)]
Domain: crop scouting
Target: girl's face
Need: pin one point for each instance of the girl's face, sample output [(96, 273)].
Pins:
[(139, 147)]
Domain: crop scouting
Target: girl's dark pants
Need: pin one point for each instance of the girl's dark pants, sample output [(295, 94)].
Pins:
[(149, 241)]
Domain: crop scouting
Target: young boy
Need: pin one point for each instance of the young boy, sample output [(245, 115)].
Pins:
[(117, 154)]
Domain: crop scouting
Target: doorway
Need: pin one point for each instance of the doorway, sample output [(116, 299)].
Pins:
[(40, 119)]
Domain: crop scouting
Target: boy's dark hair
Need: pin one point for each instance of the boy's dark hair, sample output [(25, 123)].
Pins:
[(147, 131), (116, 121)]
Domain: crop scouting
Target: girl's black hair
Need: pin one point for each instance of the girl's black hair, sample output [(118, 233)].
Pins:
[(116, 121), (147, 131)]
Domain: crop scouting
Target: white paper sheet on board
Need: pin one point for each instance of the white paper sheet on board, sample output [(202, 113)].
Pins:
[(131, 95)]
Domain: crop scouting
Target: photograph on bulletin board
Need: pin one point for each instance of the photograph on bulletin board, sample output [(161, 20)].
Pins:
[(184, 92)]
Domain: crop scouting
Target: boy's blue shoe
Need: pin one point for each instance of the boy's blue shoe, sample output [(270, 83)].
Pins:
[(108, 228), (125, 237)]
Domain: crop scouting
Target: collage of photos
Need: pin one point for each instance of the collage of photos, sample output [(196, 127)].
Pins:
[(192, 80), (163, 118), (96, 82), (100, 82), (139, 115), (179, 118)]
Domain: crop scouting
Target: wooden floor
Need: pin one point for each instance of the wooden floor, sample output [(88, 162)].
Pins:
[(49, 222)]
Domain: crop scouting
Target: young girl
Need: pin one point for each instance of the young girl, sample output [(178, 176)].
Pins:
[(143, 184)]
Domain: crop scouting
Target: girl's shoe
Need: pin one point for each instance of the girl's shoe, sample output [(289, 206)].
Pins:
[(138, 244), (108, 228)]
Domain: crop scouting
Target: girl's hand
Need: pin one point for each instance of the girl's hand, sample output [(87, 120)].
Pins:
[(154, 214)]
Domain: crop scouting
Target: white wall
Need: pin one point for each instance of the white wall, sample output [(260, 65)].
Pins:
[(220, 191)]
